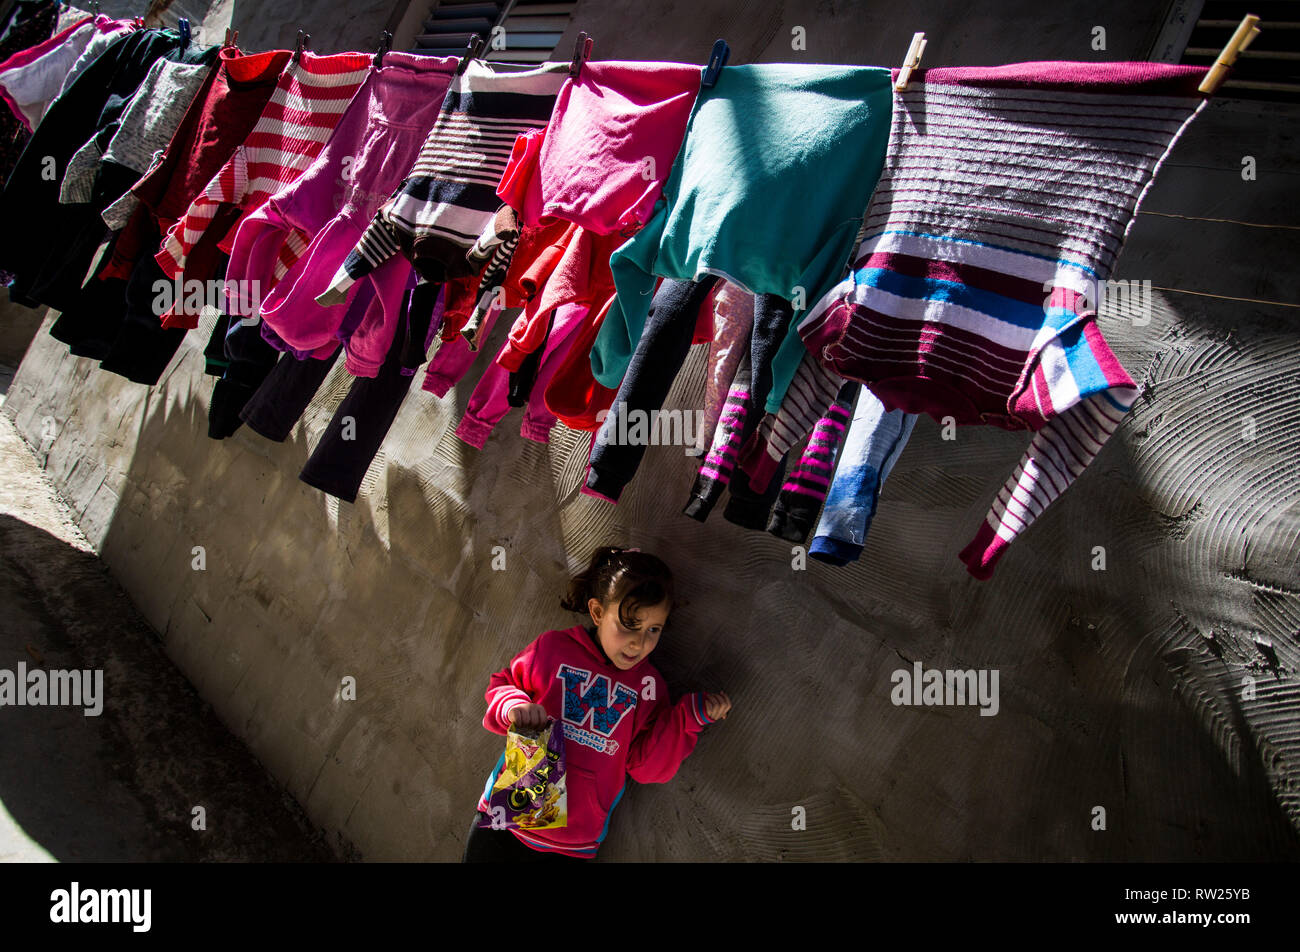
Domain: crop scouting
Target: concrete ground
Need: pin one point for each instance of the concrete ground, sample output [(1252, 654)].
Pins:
[(126, 785)]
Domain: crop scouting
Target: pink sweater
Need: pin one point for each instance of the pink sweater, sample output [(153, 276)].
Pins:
[(589, 165), (617, 724)]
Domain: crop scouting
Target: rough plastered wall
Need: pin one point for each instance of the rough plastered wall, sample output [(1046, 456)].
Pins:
[(1119, 688)]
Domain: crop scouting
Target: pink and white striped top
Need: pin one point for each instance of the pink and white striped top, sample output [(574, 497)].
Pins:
[(1006, 196), (304, 109)]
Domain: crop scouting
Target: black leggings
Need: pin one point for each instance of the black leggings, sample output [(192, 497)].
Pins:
[(486, 845)]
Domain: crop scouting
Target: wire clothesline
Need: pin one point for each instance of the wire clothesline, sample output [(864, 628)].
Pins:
[(1225, 297), (1227, 221)]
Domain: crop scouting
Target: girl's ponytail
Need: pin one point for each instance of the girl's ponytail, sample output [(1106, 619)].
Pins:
[(629, 577)]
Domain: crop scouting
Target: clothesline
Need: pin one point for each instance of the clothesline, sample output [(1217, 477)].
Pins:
[(1225, 221), (1225, 297), (357, 213)]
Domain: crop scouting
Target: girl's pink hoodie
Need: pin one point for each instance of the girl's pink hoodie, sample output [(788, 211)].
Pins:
[(617, 724)]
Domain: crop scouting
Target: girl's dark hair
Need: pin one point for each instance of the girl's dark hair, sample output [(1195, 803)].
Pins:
[(615, 574)]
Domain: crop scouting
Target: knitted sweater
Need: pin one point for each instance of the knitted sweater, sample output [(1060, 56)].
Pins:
[(146, 127), (218, 120), (449, 196), (772, 206), (306, 105), (1006, 196)]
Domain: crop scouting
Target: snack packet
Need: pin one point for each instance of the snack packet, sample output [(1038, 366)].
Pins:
[(529, 792)]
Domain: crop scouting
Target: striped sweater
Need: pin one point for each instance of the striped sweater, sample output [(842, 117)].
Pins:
[(449, 197), (306, 105), (1006, 196)]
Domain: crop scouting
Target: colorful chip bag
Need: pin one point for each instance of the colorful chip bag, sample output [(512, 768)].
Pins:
[(529, 792)]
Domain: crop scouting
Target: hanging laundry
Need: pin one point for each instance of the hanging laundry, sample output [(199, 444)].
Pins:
[(290, 246), (69, 15), (107, 30), (603, 158), (806, 486), (449, 195), (715, 471), (732, 314), (573, 394), (498, 389), (220, 116), (772, 319), (32, 78), (276, 406), (811, 393), (40, 255), (874, 441), (308, 102), (145, 128), (572, 268), (348, 447), (772, 206), (659, 355), (30, 23), (1006, 198)]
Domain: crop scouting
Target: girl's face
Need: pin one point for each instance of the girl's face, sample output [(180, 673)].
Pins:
[(628, 647)]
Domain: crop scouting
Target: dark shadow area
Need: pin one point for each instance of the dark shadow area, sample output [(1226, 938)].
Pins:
[(122, 786)]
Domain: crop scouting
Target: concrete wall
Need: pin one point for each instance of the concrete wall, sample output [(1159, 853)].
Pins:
[(1119, 688)]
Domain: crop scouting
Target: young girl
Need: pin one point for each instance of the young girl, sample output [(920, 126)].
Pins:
[(611, 703)]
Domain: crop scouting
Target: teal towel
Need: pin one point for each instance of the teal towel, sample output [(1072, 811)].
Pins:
[(768, 191)]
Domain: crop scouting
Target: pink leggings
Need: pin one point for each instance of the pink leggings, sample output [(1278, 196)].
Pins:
[(489, 402)]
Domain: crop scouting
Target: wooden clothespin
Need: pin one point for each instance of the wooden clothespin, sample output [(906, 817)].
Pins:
[(1243, 36), (911, 61), (581, 53), (232, 37), (303, 40), (717, 59), (385, 44), (472, 49)]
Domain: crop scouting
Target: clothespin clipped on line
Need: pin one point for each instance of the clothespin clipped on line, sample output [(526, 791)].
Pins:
[(304, 39), (1242, 37), (472, 50), (385, 44), (185, 32), (581, 53), (717, 59), (910, 62)]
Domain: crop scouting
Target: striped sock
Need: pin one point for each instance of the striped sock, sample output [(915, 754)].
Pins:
[(805, 488)]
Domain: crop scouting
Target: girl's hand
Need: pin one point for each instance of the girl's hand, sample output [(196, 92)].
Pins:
[(717, 705), (528, 716)]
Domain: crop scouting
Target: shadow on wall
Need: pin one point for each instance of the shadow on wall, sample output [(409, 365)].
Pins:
[(1105, 700), (122, 784), (333, 27), (350, 645)]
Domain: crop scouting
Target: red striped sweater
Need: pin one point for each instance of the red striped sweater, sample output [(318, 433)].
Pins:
[(308, 102)]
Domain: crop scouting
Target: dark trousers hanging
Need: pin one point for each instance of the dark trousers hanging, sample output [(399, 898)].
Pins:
[(279, 403), (339, 463), (655, 363)]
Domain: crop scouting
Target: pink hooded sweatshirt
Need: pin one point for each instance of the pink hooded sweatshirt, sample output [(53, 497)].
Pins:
[(617, 724)]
